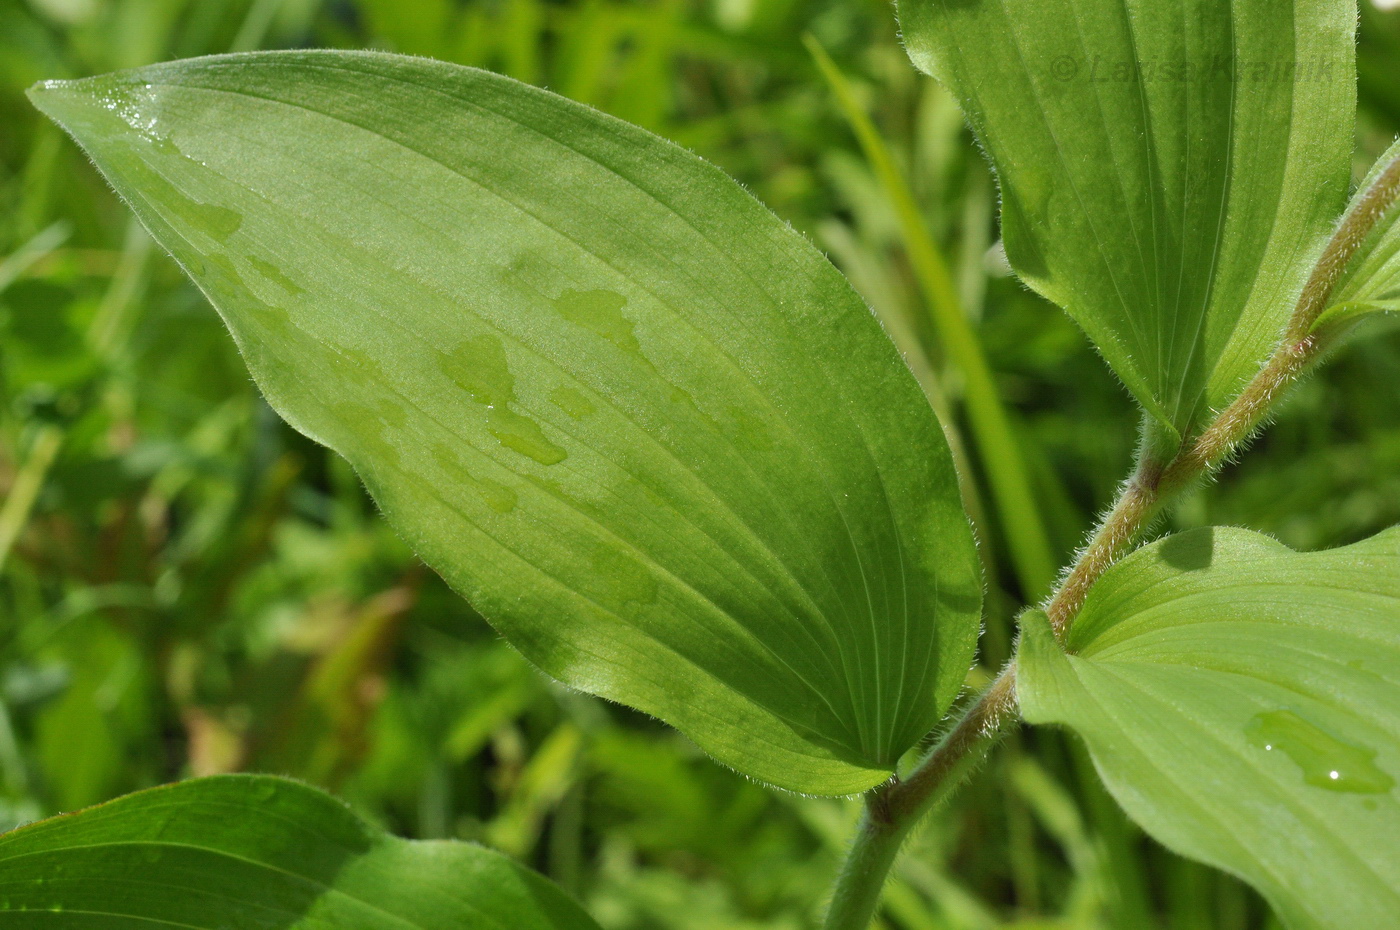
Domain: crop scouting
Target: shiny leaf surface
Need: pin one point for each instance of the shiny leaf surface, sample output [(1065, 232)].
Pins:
[(1242, 702), (648, 431), (1169, 168)]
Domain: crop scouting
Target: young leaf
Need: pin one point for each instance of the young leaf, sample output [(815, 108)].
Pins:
[(642, 425), (1169, 169), (256, 851), (1371, 280), (1242, 702)]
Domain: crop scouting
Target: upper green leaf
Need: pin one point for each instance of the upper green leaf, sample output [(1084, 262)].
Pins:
[(640, 423), (1242, 702), (1169, 168), (241, 851), (1371, 280)]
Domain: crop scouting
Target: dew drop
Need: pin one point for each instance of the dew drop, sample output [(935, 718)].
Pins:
[(480, 366), (523, 435), (1325, 761), (600, 312), (275, 275), (497, 496), (572, 401)]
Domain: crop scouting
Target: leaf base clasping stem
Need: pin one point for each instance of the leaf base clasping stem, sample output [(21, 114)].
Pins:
[(895, 808)]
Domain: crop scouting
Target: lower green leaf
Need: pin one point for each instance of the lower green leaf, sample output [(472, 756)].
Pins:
[(1242, 702), (238, 852)]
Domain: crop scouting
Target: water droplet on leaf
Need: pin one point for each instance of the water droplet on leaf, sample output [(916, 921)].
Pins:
[(1325, 761), (600, 312), (480, 366), (573, 402)]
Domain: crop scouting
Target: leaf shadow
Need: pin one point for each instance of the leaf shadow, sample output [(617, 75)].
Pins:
[(1190, 551)]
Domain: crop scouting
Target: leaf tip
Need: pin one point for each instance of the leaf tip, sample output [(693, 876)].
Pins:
[(69, 103), (44, 95), (88, 107)]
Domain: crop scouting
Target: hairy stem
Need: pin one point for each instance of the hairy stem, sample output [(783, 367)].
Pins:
[(1138, 502), (893, 810), (873, 851)]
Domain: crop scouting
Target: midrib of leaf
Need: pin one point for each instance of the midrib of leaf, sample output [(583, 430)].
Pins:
[(1150, 159), (1285, 286), (1100, 333), (1163, 654), (169, 889), (104, 812), (1207, 298), (837, 508), (1117, 175)]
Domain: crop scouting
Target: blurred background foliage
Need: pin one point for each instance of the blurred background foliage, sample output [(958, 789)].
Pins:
[(187, 586)]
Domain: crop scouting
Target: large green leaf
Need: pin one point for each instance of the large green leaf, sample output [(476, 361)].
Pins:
[(1242, 702), (642, 425), (1169, 168), (239, 852)]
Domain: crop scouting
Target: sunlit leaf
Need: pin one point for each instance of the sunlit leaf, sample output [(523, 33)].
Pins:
[(1242, 702), (1169, 169), (240, 851), (644, 427)]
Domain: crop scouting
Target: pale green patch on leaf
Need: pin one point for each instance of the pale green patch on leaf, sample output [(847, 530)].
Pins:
[(648, 431), (1371, 280), (1170, 169), (257, 851), (1242, 702)]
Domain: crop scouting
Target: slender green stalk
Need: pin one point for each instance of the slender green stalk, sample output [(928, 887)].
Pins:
[(894, 809), (24, 491), (19, 261), (12, 769), (112, 319), (252, 34), (1007, 473), (104, 333), (872, 853)]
